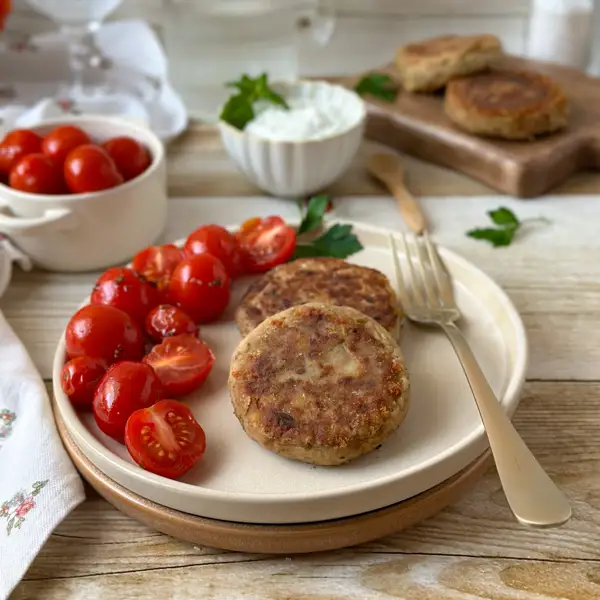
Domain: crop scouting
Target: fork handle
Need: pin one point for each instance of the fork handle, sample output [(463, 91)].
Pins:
[(532, 496)]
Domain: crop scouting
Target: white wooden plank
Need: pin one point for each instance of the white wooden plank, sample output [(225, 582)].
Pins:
[(548, 273), (432, 7), (365, 43)]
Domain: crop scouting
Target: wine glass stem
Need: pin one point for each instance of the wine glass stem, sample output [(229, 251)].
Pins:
[(80, 47)]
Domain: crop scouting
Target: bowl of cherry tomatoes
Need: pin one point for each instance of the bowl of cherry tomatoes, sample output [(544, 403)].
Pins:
[(82, 193)]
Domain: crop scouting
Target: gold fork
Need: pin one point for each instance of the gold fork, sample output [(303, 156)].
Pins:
[(426, 295)]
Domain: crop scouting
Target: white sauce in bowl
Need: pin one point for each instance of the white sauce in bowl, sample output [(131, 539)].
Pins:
[(316, 110)]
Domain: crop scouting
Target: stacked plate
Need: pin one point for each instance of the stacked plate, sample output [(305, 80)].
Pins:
[(241, 483)]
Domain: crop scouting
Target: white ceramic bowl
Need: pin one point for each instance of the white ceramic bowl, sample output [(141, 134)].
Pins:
[(299, 168), (83, 232)]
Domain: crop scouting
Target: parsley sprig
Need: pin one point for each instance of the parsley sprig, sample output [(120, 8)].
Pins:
[(380, 85), (337, 242), (507, 226), (239, 108)]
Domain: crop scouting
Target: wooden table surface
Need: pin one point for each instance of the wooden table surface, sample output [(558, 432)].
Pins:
[(470, 551)]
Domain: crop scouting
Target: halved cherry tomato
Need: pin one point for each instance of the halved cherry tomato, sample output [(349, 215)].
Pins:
[(104, 332), (216, 240), (265, 243), (61, 140), (17, 144), (131, 157), (125, 289), (89, 168), (157, 263), (201, 287), (125, 388), (165, 439), (182, 363), (37, 174), (79, 379), (5, 8), (166, 321)]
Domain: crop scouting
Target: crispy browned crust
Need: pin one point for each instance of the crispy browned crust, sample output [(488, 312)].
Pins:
[(329, 280), (429, 65), (507, 104), (319, 383)]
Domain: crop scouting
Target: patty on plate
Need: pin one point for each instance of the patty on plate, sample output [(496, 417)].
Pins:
[(319, 383), (328, 280)]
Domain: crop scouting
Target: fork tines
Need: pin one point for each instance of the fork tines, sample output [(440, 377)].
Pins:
[(423, 282)]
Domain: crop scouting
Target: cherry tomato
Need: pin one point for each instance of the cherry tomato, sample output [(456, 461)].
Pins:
[(16, 145), (201, 287), (216, 240), (37, 174), (131, 157), (79, 379), (165, 439), (89, 168), (104, 332), (166, 321), (125, 388), (265, 243), (5, 8), (125, 289), (157, 263), (182, 363), (61, 140)]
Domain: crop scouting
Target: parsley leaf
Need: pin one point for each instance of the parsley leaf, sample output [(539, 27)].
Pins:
[(337, 242), (239, 108), (379, 85), (313, 217), (507, 226), (496, 237), (504, 216)]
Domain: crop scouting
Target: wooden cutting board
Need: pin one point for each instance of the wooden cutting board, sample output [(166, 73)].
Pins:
[(416, 125)]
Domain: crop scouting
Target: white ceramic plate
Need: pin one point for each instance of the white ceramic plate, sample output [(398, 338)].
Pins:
[(239, 481)]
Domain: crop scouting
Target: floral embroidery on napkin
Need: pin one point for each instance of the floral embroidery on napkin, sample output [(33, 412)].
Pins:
[(18, 507), (7, 418)]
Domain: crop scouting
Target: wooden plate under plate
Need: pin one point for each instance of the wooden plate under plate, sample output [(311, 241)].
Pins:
[(277, 539)]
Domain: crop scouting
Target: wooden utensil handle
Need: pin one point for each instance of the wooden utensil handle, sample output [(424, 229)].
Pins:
[(411, 211)]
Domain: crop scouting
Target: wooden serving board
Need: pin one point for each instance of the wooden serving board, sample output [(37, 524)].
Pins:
[(416, 125), (276, 539)]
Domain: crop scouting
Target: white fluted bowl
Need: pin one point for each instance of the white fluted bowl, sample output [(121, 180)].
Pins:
[(287, 168)]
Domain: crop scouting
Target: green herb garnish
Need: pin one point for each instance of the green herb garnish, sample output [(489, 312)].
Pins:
[(239, 109), (507, 225), (337, 242), (379, 85)]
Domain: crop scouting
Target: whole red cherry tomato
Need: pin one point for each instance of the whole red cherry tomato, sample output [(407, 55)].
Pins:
[(166, 320), (125, 388), (131, 157), (125, 289), (89, 168), (79, 379), (104, 332), (16, 145), (157, 263), (216, 240), (265, 243), (61, 140), (182, 363), (165, 439), (37, 174), (201, 287)]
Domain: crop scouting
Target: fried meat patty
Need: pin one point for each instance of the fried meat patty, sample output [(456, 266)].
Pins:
[(326, 280), (514, 105), (429, 65), (319, 383)]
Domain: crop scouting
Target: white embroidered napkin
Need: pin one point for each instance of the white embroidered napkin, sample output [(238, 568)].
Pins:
[(39, 485)]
